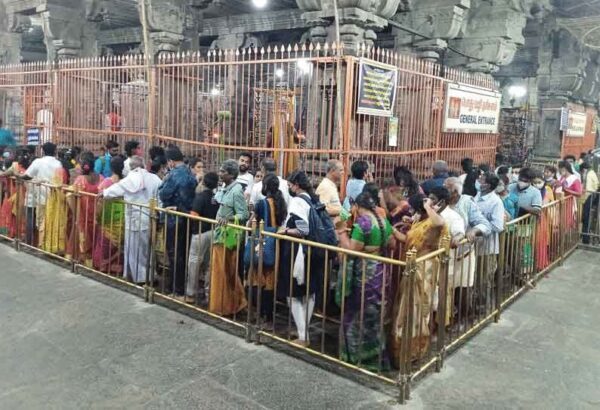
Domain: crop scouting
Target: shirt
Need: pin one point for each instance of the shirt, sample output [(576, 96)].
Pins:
[(354, 188), (591, 181), (329, 196), (492, 208), (472, 215), (178, 189), (7, 139), (102, 166), (205, 206), (139, 187), (232, 203), (256, 194), (435, 182), (126, 167), (247, 181), (456, 224), (46, 170), (530, 197)]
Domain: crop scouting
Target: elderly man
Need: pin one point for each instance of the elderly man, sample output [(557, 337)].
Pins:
[(476, 225), (137, 188), (269, 166), (440, 174), (328, 188), (488, 248)]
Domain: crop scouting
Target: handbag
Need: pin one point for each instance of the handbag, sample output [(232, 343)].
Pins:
[(232, 235), (251, 251)]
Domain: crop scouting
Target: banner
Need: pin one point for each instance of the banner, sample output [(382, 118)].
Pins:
[(576, 125), (471, 109), (377, 87)]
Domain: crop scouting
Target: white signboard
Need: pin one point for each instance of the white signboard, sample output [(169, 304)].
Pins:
[(577, 123), (471, 109)]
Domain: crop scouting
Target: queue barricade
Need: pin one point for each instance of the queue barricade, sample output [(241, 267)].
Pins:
[(590, 221), (390, 319), (343, 309)]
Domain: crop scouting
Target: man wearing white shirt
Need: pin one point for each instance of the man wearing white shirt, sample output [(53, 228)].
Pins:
[(457, 229), (269, 166), (132, 149), (138, 188), (44, 170), (245, 178)]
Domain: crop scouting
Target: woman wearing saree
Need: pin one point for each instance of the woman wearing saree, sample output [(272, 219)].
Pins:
[(425, 234), (227, 295), (9, 206), (362, 336), (81, 237), (108, 256)]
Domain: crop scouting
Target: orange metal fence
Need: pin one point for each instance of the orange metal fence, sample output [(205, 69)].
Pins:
[(279, 101)]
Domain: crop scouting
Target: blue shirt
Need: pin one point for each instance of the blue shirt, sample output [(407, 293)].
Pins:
[(102, 166), (470, 212), (7, 139), (178, 189), (528, 197), (354, 188), (511, 204), (492, 209), (435, 182)]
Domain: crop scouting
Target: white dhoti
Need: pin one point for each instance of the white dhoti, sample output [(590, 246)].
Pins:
[(136, 255), (462, 268)]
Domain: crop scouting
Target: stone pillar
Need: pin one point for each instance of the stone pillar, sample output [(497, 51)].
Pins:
[(358, 20), (67, 32), (492, 33), (440, 20), (562, 64)]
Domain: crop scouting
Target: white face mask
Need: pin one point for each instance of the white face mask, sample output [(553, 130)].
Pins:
[(523, 185), (539, 185)]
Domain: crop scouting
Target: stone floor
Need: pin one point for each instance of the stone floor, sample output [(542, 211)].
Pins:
[(68, 342)]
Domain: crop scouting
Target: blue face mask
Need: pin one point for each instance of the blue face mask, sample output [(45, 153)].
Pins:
[(477, 186)]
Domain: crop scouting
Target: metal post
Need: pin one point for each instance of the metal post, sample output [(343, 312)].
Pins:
[(149, 286), (443, 300), (18, 186), (562, 226), (250, 329), (407, 286), (75, 253), (500, 275)]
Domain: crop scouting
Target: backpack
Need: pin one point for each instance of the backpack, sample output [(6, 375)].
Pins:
[(321, 227)]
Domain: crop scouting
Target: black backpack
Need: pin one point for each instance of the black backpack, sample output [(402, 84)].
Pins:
[(321, 227)]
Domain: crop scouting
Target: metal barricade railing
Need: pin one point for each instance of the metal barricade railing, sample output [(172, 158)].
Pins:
[(387, 318), (590, 220)]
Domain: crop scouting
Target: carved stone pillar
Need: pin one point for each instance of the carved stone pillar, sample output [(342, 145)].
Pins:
[(440, 20), (492, 33), (562, 67), (358, 20), (67, 32)]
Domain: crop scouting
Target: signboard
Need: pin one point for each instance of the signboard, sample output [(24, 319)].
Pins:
[(471, 109), (577, 123), (33, 136), (393, 132), (377, 87)]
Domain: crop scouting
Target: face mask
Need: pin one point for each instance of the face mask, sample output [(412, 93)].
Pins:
[(292, 193), (500, 188), (523, 185), (514, 178), (539, 185), (477, 186)]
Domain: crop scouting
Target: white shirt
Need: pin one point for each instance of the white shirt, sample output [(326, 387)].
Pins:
[(247, 180), (45, 170), (455, 222), (126, 167), (256, 193), (139, 187)]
